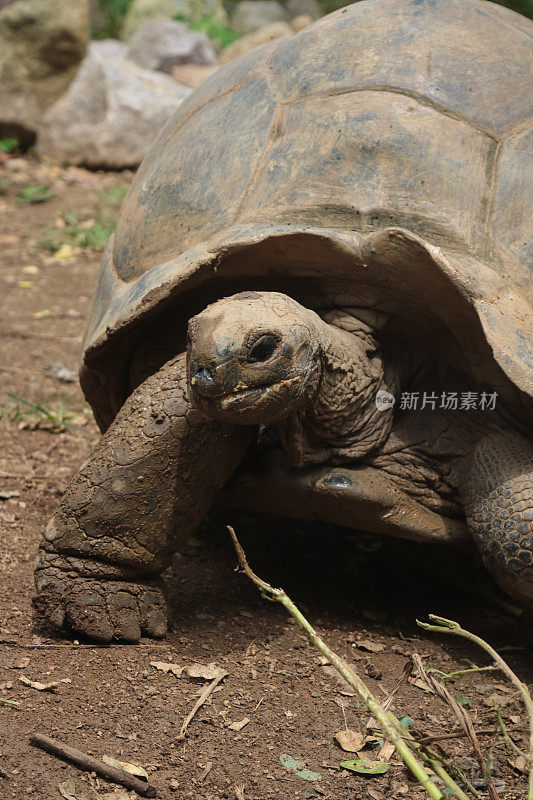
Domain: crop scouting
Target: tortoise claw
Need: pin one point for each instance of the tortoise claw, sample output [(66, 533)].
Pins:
[(103, 609)]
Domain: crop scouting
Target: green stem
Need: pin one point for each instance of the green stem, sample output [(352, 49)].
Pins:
[(391, 726), (460, 672), (450, 627)]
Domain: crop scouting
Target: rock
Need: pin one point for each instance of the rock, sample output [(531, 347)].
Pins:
[(163, 43), (141, 11), (111, 112), (42, 43), (246, 43), (310, 7), (301, 22), (251, 15), (192, 74)]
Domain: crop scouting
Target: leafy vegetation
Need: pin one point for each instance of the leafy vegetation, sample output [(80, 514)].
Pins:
[(38, 415), (35, 194), (8, 144), (217, 32), (112, 13), (91, 233)]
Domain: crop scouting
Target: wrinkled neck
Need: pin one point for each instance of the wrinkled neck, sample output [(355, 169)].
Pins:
[(343, 422)]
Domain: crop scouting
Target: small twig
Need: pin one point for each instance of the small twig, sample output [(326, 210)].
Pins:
[(462, 716), (11, 703), (199, 703), (91, 764), (438, 762), (503, 730), (391, 726), (449, 626), (455, 735)]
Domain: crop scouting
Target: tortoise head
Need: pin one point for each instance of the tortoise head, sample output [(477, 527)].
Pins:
[(253, 358)]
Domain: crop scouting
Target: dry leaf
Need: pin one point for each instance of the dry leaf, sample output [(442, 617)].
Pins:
[(238, 726), (519, 763), (66, 251), (420, 684), (133, 769), (369, 646), (70, 791), (164, 666), (206, 673), (43, 687), (351, 741), (386, 751)]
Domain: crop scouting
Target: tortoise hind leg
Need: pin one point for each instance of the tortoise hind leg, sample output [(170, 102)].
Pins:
[(146, 487), (497, 491)]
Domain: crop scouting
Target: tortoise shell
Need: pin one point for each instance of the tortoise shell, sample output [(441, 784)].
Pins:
[(378, 157)]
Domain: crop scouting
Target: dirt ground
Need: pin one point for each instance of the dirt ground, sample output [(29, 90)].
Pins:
[(278, 699)]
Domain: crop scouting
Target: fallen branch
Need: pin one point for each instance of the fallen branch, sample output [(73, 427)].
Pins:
[(462, 716), (91, 764), (390, 725), (199, 703), (449, 626)]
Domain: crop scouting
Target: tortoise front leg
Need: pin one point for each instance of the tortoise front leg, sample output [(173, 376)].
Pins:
[(497, 492), (144, 489)]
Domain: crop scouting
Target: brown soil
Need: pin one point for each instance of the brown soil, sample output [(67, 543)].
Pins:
[(115, 702)]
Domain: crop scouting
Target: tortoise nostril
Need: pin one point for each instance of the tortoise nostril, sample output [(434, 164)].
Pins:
[(203, 377), (263, 348)]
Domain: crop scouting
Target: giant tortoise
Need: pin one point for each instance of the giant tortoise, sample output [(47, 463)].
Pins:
[(315, 303)]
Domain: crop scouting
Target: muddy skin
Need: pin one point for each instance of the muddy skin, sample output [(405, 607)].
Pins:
[(261, 359), (145, 488)]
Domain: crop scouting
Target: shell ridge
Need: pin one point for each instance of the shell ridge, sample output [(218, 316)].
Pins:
[(258, 167), (422, 99), (204, 105), (494, 174)]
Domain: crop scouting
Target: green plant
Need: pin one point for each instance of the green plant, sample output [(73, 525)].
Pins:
[(8, 144), (90, 233), (35, 194), (37, 415), (219, 33), (112, 14)]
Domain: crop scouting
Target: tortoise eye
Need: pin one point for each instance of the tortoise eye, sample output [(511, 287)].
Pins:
[(263, 348)]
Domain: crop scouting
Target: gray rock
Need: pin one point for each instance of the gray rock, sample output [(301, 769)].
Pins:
[(297, 8), (111, 112), (301, 22), (163, 43), (251, 40), (42, 43), (192, 74), (250, 15)]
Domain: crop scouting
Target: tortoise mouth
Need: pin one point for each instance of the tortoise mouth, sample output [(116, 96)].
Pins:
[(224, 399), (258, 399)]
